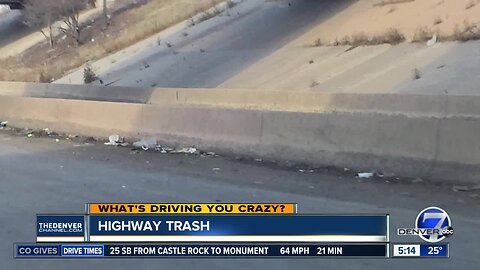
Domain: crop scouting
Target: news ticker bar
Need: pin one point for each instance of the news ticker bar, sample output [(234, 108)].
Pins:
[(369, 250), (200, 250), (212, 228)]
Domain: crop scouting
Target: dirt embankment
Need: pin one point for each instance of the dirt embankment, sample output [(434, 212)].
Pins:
[(414, 19)]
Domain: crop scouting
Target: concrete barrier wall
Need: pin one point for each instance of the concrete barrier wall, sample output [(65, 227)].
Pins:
[(417, 145), (82, 92), (297, 101)]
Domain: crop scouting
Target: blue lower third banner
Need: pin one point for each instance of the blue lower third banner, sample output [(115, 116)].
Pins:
[(60, 228), (198, 250), (228, 228)]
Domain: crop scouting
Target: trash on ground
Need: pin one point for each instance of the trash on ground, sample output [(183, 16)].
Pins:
[(163, 150), (432, 41), (466, 188), (30, 135), (185, 150), (207, 154), (3, 124), (365, 175), (417, 180), (216, 169), (145, 144), (116, 140)]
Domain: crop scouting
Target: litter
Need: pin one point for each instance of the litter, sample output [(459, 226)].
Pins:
[(50, 133), (209, 154), (163, 150), (365, 175), (432, 41), (116, 140), (417, 180), (466, 188), (3, 124), (216, 169), (145, 144), (185, 150)]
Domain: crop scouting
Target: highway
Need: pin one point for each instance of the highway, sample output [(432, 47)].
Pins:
[(11, 28), (14, 4), (40, 175), (210, 52)]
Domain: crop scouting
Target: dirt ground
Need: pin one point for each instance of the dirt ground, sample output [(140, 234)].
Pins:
[(375, 17)]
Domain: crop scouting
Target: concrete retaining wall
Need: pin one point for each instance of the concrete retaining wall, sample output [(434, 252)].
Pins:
[(82, 92), (441, 142), (297, 101)]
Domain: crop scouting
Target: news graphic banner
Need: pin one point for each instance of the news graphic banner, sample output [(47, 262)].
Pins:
[(252, 250), (211, 228), (195, 209), (248, 230)]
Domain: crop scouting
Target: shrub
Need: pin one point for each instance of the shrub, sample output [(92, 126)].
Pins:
[(89, 75)]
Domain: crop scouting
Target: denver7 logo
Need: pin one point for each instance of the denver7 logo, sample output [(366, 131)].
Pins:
[(434, 218)]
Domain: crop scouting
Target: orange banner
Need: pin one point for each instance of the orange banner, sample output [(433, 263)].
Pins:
[(192, 208)]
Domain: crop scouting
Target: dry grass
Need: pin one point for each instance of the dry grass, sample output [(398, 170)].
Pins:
[(437, 21), (208, 14), (391, 2), (467, 33), (417, 74), (391, 36), (231, 3), (471, 4), (391, 10), (422, 34), (144, 21), (314, 83)]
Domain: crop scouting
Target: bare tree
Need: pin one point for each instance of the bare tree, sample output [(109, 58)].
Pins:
[(41, 15), (70, 12)]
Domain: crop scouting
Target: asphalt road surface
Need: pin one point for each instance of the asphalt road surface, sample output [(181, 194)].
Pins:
[(39, 175), (11, 27), (209, 53)]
